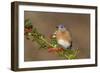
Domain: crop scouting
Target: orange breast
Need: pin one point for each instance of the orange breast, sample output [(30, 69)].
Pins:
[(64, 36)]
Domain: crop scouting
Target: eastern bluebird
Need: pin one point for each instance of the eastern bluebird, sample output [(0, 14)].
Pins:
[(63, 37)]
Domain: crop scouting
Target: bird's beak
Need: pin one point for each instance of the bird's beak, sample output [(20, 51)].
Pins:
[(56, 26)]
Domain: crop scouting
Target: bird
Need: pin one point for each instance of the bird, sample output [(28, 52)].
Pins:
[(63, 37)]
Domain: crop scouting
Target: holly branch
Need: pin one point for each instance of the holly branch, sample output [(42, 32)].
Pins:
[(51, 44)]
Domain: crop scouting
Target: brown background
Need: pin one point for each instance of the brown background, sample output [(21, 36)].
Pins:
[(78, 24)]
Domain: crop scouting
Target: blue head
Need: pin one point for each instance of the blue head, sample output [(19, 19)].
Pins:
[(61, 27)]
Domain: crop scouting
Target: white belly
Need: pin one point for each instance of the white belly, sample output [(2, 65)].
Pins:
[(63, 43)]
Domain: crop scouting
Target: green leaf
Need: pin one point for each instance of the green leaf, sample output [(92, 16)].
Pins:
[(28, 22)]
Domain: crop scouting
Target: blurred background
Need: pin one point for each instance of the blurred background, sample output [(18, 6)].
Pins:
[(46, 22)]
